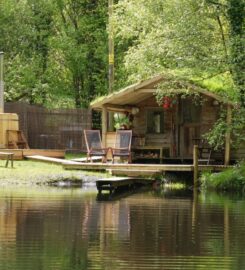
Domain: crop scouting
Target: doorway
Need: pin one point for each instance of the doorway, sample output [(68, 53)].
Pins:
[(190, 126)]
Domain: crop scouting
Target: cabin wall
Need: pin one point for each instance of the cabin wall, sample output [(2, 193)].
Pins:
[(140, 124), (177, 135), (209, 114)]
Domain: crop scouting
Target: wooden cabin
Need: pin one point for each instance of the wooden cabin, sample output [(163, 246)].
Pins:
[(168, 131)]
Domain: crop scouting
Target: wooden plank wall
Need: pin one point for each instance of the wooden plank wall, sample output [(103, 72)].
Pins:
[(140, 122), (210, 114)]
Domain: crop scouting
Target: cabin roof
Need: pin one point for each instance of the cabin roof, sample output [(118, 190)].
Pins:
[(135, 93)]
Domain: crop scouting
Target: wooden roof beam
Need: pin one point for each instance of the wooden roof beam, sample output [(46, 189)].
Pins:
[(118, 108)]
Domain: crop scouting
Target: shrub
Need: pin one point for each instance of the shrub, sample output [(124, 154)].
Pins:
[(231, 179)]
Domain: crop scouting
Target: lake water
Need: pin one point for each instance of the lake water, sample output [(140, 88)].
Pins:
[(71, 229)]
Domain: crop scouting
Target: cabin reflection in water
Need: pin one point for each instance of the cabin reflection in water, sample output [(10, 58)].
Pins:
[(72, 229)]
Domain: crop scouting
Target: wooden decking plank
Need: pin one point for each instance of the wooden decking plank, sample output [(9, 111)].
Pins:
[(53, 153), (84, 159), (134, 172), (50, 160)]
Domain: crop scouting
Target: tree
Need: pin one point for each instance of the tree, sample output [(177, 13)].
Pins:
[(55, 51), (24, 39), (236, 18), (81, 41)]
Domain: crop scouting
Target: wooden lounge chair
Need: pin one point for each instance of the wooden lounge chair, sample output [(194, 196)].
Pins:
[(94, 145), (122, 145)]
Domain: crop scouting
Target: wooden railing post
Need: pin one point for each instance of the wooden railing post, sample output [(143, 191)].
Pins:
[(195, 165)]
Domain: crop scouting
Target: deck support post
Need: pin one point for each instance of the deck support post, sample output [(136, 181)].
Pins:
[(104, 125), (228, 135), (195, 165)]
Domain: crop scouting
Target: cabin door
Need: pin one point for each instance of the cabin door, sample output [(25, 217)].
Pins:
[(190, 126)]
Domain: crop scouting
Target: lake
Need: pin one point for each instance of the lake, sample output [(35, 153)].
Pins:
[(56, 228)]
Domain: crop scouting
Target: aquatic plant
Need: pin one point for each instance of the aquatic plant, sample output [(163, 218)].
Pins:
[(232, 179)]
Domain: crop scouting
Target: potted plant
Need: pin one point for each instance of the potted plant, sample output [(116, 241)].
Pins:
[(121, 121)]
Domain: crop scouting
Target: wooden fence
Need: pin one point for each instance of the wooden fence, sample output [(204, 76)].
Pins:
[(52, 129)]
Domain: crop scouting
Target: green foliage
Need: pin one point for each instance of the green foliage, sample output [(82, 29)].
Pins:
[(121, 121), (192, 38), (236, 18), (216, 136), (232, 179), (185, 34), (55, 51)]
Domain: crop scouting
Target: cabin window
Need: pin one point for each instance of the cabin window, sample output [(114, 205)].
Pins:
[(155, 121)]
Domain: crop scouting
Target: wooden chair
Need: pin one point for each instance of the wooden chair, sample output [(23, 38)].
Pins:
[(122, 145), (16, 140), (94, 145), (204, 152)]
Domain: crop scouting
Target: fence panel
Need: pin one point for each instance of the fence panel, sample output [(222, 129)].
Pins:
[(52, 129)]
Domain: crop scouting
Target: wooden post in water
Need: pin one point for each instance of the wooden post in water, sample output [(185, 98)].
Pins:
[(195, 165), (104, 125)]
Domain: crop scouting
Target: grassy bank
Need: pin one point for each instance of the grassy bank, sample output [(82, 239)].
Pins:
[(231, 179), (32, 172)]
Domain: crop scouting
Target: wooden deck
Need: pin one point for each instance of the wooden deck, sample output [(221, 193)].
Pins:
[(142, 167)]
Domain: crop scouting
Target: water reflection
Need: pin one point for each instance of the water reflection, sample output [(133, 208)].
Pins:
[(154, 229)]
